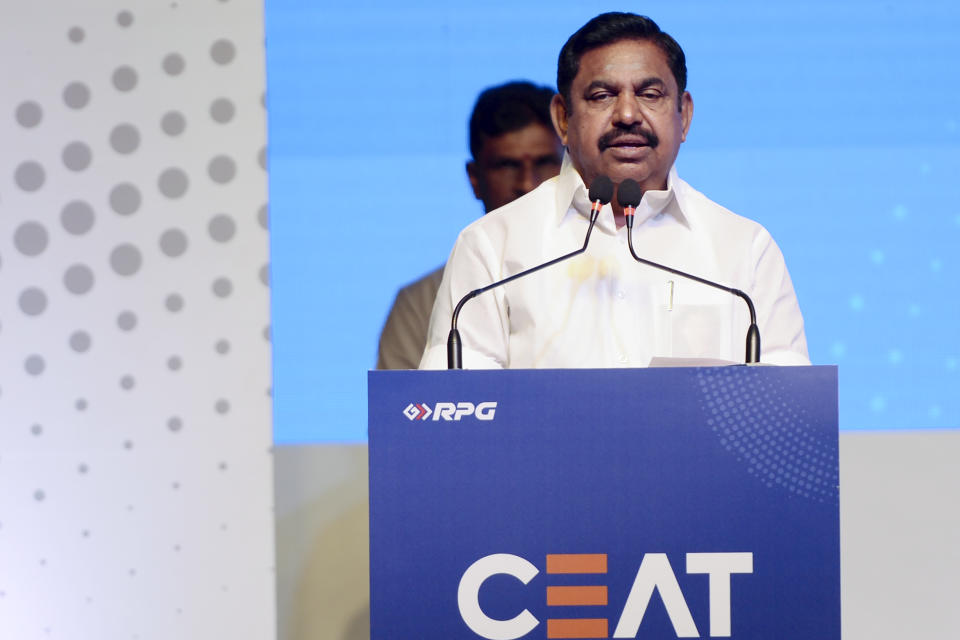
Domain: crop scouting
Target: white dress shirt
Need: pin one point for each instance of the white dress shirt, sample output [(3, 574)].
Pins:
[(602, 308)]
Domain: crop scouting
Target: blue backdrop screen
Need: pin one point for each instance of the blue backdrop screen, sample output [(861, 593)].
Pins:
[(835, 125)]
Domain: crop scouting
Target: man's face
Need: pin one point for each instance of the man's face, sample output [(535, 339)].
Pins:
[(513, 164), (623, 118)]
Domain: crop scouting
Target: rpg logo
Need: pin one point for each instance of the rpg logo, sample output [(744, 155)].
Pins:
[(451, 411), (654, 574)]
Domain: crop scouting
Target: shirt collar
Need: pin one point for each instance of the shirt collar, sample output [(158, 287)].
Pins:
[(669, 201), (572, 193)]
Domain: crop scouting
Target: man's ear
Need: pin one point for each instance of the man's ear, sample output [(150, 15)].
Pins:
[(474, 178), (558, 113), (686, 113)]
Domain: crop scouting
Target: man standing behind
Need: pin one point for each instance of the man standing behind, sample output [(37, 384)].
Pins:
[(622, 111), (514, 149)]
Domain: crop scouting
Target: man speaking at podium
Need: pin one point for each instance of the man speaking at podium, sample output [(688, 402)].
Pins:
[(622, 111)]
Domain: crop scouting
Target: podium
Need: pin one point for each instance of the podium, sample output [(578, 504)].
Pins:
[(647, 503)]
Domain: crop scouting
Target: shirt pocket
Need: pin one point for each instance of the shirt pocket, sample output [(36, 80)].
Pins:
[(694, 321)]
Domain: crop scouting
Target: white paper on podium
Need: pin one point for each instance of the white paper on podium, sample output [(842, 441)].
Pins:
[(667, 361)]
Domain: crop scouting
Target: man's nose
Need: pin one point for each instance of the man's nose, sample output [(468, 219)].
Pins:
[(627, 111), (527, 180)]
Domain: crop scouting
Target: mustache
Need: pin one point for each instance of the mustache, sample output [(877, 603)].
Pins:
[(610, 138)]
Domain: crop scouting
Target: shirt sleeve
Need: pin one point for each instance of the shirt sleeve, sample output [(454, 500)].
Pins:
[(483, 322), (782, 337)]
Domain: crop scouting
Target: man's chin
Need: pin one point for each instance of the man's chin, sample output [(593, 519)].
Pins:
[(621, 170)]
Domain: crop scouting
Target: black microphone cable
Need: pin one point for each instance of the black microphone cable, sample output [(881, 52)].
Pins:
[(629, 194)]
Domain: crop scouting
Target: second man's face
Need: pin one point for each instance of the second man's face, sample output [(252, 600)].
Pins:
[(513, 164), (625, 118)]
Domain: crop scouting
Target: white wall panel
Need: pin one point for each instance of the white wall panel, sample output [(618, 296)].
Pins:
[(135, 465)]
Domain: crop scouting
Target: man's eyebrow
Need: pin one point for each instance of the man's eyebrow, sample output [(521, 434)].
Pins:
[(652, 81), (646, 83), (600, 84)]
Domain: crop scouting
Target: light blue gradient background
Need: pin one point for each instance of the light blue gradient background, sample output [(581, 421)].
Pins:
[(835, 125)]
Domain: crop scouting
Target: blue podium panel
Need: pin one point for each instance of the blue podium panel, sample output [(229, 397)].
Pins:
[(647, 503)]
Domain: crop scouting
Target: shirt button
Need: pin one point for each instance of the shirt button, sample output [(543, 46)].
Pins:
[(621, 295), (623, 358)]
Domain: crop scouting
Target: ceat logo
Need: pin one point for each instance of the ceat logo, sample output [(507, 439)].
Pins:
[(450, 411), (655, 573)]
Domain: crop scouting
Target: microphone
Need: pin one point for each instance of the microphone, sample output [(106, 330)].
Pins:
[(600, 193), (629, 194)]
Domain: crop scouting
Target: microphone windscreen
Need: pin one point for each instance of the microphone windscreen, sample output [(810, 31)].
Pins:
[(629, 193), (601, 189)]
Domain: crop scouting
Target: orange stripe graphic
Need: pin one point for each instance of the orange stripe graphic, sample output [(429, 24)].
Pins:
[(577, 596), (585, 628), (576, 563)]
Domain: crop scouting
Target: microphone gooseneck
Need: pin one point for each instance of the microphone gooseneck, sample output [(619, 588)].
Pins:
[(600, 193), (629, 194)]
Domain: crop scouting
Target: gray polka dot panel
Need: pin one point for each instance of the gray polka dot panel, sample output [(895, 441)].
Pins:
[(173, 182), (173, 123), (124, 138), (174, 64), (222, 169), (223, 51), (77, 156), (78, 279), (77, 217), (124, 18), (29, 114), (222, 227), (33, 301), (76, 95), (80, 341), (125, 198), (29, 175), (126, 320), (124, 78), (135, 436), (30, 238), (174, 302), (173, 242), (221, 110), (770, 435)]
